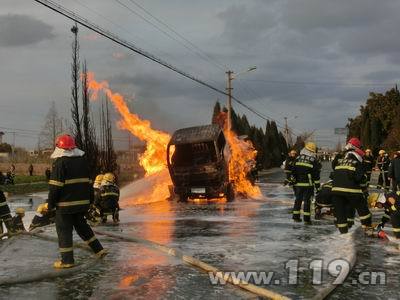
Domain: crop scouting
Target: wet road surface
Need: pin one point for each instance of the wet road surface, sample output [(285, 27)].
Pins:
[(244, 235)]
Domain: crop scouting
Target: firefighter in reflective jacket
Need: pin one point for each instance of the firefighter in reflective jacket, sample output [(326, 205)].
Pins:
[(383, 163), (5, 214), (288, 165), (109, 197), (305, 171), (70, 193), (391, 203), (347, 192)]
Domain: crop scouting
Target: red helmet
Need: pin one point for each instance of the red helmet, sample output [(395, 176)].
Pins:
[(66, 142), (355, 142)]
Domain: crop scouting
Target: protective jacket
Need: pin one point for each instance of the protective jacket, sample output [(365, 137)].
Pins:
[(383, 163), (369, 163), (306, 170), (394, 169), (70, 189), (109, 197), (348, 175)]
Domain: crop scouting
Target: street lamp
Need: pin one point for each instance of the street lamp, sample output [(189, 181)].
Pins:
[(232, 76)]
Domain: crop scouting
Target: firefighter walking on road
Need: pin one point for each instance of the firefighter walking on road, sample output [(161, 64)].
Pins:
[(305, 176), (383, 163), (347, 193), (70, 193), (109, 197)]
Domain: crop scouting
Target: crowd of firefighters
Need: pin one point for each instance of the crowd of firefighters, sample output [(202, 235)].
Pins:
[(73, 200), (347, 190)]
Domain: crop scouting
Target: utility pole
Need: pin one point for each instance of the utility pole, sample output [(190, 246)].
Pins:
[(229, 91), (13, 147)]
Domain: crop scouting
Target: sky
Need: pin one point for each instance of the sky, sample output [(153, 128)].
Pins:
[(317, 60)]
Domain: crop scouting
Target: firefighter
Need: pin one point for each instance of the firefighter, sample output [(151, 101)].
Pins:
[(391, 203), (96, 188), (93, 215), (42, 217), (347, 193), (5, 214), (17, 223), (288, 165), (305, 176), (70, 193), (383, 163), (109, 196), (394, 172), (323, 199), (369, 163)]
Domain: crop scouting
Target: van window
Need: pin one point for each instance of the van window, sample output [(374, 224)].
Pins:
[(194, 154)]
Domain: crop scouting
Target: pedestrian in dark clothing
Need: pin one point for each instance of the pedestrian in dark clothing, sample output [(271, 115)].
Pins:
[(394, 172), (71, 193), (30, 170)]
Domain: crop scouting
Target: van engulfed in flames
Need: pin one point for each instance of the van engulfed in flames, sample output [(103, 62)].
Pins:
[(154, 159)]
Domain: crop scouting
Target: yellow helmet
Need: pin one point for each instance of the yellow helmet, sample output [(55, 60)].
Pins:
[(44, 207), (368, 151), (20, 211), (109, 177), (99, 179), (381, 152), (310, 146)]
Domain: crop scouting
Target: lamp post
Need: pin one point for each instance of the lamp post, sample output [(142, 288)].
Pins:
[(231, 76)]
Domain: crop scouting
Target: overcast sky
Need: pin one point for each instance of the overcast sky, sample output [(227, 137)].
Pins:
[(316, 59)]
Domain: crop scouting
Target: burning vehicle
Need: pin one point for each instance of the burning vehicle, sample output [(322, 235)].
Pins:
[(198, 163)]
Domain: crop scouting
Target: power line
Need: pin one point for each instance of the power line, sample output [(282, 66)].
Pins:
[(113, 37), (354, 84)]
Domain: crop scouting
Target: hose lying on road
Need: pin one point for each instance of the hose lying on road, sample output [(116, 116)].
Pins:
[(51, 274), (196, 263)]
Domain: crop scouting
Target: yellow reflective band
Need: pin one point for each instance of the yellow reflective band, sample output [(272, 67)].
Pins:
[(77, 180), (303, 184), (3, 203), (296, 212), (342, 225), (64, 250), (73, 203), (351, 220), (55, 182), (287, 171), (396, 229), (302, 164), (393, 207), (346, 190), (365, 217), (306, 213), (386, 216), (398, 193), (110, 194), (316, 181), (2, 216), (91, 240), (345, 168)]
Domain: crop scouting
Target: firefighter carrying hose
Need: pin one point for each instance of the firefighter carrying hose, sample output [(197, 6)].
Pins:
[(70, 193), (305, 176), (347, 193), (5, 214), (109, 197), (391, 203)]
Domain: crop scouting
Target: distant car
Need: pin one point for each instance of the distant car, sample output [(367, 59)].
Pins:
[(198, 163)]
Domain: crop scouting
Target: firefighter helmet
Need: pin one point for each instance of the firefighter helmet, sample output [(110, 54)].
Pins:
[(381, 152), (355, 142), (310, 146), (368, 151), (109, 177), (20, 211), (99, 179), (44, 207), (65, 142)]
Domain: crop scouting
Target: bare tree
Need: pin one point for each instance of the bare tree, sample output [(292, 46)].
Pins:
[(75, 88), (51, 128)]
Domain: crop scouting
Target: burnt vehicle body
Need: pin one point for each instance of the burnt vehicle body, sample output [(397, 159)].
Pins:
[(198, 163)]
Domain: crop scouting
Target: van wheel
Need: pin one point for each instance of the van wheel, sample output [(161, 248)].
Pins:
[(230, 193), (182, 198)]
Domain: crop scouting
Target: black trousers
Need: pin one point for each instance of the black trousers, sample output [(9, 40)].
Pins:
[(345, 204), (65, 223), (385, 182), (7, 219), (395, 220), (303, 194)]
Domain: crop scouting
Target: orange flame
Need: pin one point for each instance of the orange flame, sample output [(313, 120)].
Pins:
[(153, 160), (242, 160)]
